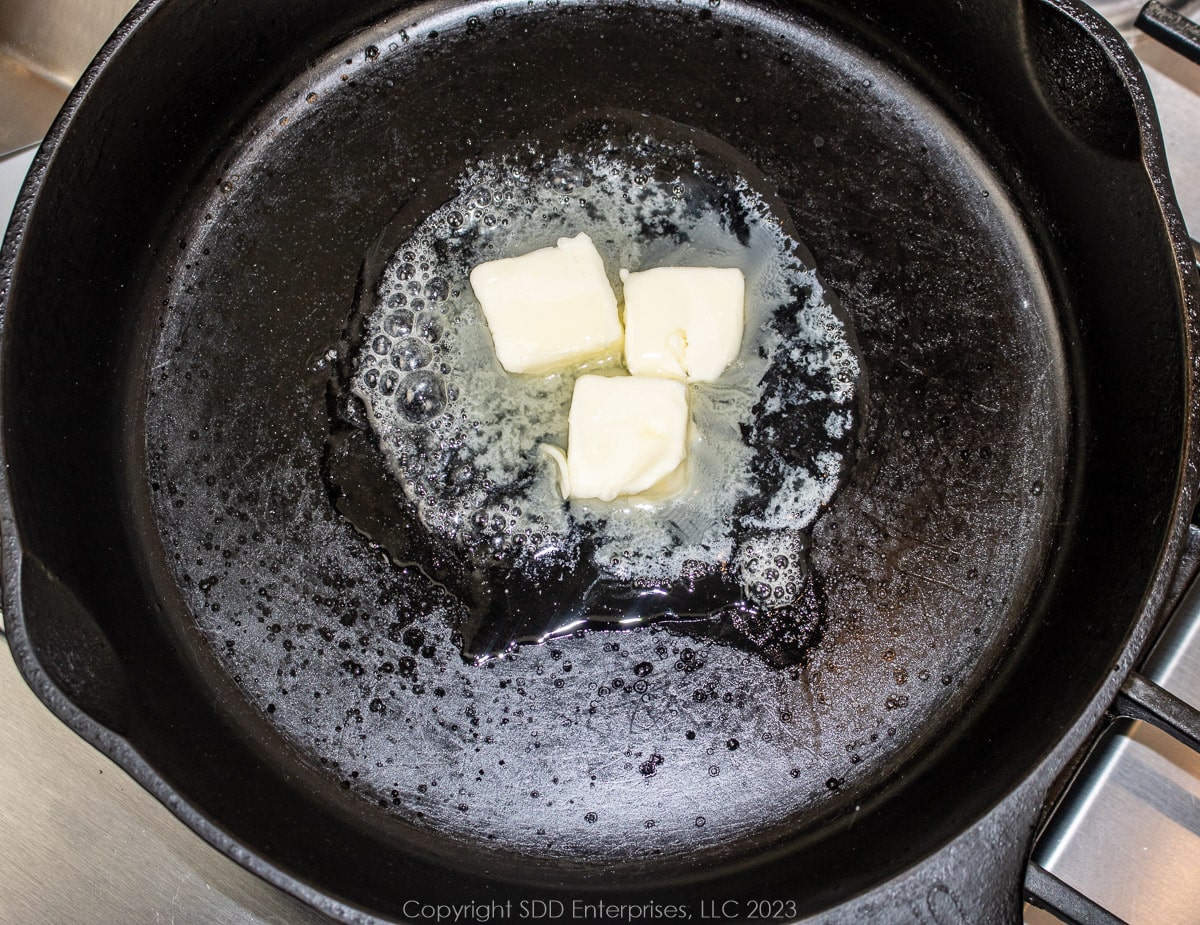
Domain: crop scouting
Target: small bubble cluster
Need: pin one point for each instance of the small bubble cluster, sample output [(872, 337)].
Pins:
[(773, 567)]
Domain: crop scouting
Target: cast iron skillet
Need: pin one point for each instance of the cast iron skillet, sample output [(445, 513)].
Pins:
[(984, 189)]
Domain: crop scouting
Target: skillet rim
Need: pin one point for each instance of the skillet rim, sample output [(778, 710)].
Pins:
[(1030, 787)]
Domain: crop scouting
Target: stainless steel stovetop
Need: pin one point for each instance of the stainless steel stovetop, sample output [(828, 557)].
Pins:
[(83, 844)]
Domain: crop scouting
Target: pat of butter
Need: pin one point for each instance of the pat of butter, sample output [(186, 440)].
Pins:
[(627, 436), (549, 308), (683, 322)]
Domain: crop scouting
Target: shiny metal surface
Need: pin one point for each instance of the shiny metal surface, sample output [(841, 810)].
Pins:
[(44, 47), (28, 103), (1128, 834), (1175, 662)]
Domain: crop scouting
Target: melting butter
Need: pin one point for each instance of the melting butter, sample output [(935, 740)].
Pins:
[(461, 433)]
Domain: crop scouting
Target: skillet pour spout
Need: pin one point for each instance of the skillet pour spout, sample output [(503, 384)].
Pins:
[(181, 590)]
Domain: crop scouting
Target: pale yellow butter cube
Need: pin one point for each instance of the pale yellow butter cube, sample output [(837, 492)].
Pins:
[(683, 322), (628, 435), (549, 308)]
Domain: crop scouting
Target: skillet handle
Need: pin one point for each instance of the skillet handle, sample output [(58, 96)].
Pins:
[(63, 637), (1170, 28)]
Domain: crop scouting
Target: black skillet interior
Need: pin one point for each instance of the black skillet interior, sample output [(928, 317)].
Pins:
[(191, 259)]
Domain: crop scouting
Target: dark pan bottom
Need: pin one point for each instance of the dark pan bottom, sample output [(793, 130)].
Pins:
[(614, 749)]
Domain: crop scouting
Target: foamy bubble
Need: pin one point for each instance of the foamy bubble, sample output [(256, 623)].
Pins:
[(462, 435)]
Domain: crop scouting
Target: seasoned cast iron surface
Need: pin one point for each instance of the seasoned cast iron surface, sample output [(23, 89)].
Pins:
[(611, 747), (789, 402)]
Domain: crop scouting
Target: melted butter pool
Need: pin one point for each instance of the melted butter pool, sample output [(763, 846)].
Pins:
[(460, 436)]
